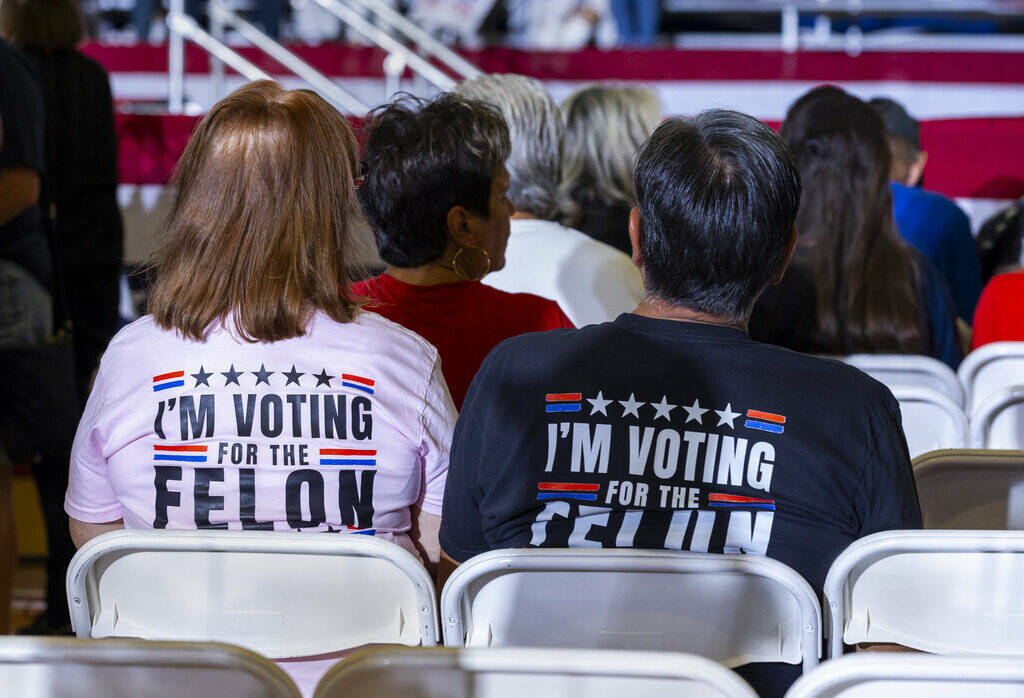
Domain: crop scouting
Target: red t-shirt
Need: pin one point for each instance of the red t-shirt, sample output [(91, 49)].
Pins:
[(464, 320), (999, 316)]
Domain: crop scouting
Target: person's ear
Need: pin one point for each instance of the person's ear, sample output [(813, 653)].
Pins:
[(460, 227), (635, 235), (916, 169), (790, 249)]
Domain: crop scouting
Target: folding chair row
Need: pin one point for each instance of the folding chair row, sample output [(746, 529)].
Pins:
[(947, 592), (989, 389), (295, 595), (71, 668)]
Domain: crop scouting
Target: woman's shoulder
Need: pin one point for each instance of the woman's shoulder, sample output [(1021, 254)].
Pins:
[(375, 329)]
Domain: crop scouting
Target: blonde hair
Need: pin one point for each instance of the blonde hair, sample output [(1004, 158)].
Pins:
[(604, 129), (263, 220)]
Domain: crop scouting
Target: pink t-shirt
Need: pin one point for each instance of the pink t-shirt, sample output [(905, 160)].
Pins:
[(341, 430)]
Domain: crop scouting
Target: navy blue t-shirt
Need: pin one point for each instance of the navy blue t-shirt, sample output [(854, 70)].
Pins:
[(941, 231), (652, 433)]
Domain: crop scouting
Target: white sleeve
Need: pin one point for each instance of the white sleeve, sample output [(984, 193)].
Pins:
[(90, 496), (439, 417)]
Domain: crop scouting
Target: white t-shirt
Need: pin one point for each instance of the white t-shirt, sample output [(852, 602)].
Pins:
[(591, 281), (341, 430)]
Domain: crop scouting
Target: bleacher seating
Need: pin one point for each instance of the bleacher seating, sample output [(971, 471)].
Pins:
[(279, 594), (513, 672), (945, 592), (971, 489), (735, 609), (45, 667)]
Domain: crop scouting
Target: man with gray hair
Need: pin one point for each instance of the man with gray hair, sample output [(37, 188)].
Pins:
[(591, 281)]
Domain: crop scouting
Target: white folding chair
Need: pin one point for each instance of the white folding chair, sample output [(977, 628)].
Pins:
[(972, 489), (903, 674), (734, 609), (910, 370), (989, 369), (945, 592), (538, 673), (998, 420), (279, 594), (51, 667), (930, 420)]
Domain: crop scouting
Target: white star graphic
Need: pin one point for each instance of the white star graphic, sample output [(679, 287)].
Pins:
[(631, 406), (599, 404), (694, 412), (727, 415), (662, 409)]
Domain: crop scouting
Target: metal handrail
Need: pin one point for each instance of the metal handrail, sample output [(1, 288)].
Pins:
[(221, 13), (381, 38), (181, 27), (422, 39)]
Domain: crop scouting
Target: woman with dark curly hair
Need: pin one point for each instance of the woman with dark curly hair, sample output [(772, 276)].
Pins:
[(434, 190)]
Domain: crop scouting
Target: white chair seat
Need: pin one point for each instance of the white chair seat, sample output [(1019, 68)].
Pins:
[(280, 594), (906, 675), (46, 667), (946, 592), (971, 489), (735, 609), (931, 421), (515, 672), (910, 370)]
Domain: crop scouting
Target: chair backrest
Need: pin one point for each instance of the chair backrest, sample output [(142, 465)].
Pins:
[(903, 674), (919, 371), (734, 609), (971, 489), (514, 672), (930, 420), (989, 369), (946, 592), (50, 667), (280, 594), (998, 420)]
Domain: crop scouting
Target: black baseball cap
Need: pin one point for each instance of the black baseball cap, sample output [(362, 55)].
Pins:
[(897, 121)]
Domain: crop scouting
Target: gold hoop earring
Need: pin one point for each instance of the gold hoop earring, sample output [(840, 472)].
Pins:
[(462, 274)]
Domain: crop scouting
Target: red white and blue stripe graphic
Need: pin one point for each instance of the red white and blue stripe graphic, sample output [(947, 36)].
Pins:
[(720, 500), (174, 379), (567, 490), (563, 402), (348, 456), (358, 382), (361, 531), (765, 421), (185, 453)]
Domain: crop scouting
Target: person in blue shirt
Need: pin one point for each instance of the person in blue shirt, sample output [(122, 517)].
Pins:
[(929, 221)]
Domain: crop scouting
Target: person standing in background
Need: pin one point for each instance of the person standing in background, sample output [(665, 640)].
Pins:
[(604, 129), (929, 221), (79, 190), (637, 21), (37, 392)]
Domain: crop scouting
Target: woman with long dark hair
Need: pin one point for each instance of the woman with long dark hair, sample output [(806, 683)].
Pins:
[(853, 286)]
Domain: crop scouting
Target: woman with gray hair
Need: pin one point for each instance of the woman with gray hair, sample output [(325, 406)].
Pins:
[(592, 282), (605, 127)]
